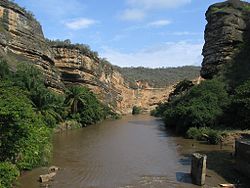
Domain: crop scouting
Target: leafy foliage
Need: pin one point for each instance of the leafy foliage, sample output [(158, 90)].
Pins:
[(29, 111), (25, 139), (84, 106), (84, 48), (180, 89), (201, 106), (239, 111), (136, 110), (205, 134), (8, 174), (4, 70)]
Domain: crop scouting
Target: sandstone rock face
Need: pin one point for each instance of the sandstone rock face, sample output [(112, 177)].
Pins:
[(21, 34), (21, 38), (225, 30), (77, 68)]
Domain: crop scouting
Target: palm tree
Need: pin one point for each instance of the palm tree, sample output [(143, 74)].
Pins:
[(75, 96), (46, 103)]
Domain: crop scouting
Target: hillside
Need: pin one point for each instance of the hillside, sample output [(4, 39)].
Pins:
[(65, 64), (159, 77)]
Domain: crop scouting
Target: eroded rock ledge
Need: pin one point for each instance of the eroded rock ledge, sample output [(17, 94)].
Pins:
[(22, 39), (225, 32)]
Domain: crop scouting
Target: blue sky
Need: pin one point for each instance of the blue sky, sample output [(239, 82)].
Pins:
[(150, 33)]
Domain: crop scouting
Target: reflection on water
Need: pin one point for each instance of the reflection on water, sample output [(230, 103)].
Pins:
[(134, 152)]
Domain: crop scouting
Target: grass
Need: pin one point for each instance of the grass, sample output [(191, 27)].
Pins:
[(215, 135), (246, 8), (216, 9)]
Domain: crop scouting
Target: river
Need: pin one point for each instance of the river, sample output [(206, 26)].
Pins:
[(133, 152)]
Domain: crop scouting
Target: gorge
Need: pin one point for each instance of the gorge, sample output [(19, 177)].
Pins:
[(65, 64), (135, 151)]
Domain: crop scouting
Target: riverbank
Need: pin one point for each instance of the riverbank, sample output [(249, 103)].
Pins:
[(136, 151)]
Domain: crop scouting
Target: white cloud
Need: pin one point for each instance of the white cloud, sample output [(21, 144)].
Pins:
[(138, 9), (133, 15), (157, 4), (167, 55), (159, 23), (80, 23)]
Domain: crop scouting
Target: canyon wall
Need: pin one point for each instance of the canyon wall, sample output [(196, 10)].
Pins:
[(226, 32), (22, 39)]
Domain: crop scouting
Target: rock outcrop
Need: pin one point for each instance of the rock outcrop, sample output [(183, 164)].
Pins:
[(225, 33), (22, 39)]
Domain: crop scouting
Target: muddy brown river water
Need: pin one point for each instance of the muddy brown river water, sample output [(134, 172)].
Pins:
[(134, 152)]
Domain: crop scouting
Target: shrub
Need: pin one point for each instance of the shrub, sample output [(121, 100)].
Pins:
[(153, 112), (136, 110), (180, 89), (239, 114), (202, 106), (4, 69), (25, 140), (193, 133), (204, 134), (214, 136), (84, 106), (8, 174)]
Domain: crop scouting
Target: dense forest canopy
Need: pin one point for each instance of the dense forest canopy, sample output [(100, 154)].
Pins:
[(159, 77)]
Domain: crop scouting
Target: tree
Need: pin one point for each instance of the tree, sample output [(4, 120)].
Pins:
[(47, 104), (75, 97), (29, 77), (202, 106), (239, 111), (24, 138), (4, 69)]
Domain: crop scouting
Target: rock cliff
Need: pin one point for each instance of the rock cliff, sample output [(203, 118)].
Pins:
[(22, 39), (224, 35), (21, 35)]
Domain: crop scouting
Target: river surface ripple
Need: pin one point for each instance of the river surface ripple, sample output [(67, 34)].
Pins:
[(134, 152)]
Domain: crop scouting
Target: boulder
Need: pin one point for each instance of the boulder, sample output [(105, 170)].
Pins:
[(46, 177)]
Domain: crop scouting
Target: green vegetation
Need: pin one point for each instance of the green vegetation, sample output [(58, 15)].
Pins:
[(203, 110), (205, 134), (84, 106), (217, 9), (239, 111), (246, 8), (136, 110), (83, 48), (29, 112), (8, 174), (158, 77)]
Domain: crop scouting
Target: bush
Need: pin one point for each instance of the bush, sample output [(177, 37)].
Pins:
[(136, 110), (239, 114), (180, 89), (193, 133), (202, 106), (204, 134), (8, 174), (84, 107), (4, 69), (25, 140)]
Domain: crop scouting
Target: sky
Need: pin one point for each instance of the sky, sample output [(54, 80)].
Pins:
[(149, 33)]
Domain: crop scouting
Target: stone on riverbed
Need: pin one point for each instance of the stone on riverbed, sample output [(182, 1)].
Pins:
[(53, 169), (47, 177), (198, 169)]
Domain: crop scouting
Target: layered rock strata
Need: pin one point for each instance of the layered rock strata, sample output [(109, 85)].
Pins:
[(22, 39), (225, 33)]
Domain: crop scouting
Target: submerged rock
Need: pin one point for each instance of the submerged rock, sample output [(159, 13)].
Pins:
[(46, 177)]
